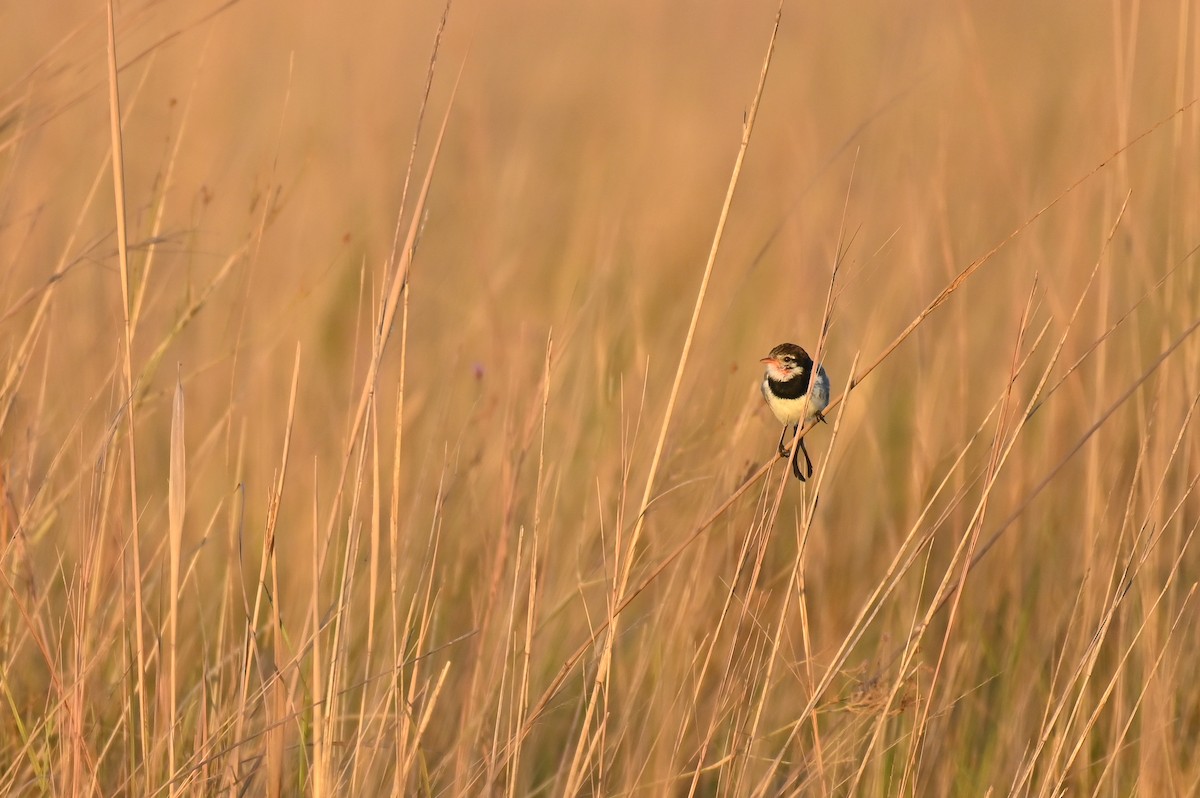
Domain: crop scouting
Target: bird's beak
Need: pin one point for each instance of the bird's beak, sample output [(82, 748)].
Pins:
[(769, 361)]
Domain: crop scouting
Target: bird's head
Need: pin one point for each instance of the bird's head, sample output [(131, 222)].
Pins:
[(786, 362)]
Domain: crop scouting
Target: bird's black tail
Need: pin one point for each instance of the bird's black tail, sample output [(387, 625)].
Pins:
[(807, 462)]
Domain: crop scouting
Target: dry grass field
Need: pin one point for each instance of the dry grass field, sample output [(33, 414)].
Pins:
[(387, 421)]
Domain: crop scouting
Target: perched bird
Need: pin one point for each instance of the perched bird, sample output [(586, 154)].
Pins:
[(785, 386)]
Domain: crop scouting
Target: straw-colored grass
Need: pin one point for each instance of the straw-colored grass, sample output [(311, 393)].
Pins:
[(379, 399)]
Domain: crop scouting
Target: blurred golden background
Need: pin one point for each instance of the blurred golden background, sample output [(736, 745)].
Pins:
[(407, 607)]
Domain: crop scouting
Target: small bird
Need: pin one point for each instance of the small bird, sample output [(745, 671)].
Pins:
[(785, 386)]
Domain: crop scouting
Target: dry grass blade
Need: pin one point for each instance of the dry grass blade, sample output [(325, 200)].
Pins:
[(145, 732), (398, 281), (962, 555), (625, 566), (1124, 732), (177, 503), (268, 664)]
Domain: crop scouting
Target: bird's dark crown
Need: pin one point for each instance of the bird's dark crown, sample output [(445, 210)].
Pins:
[(790, 356)]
